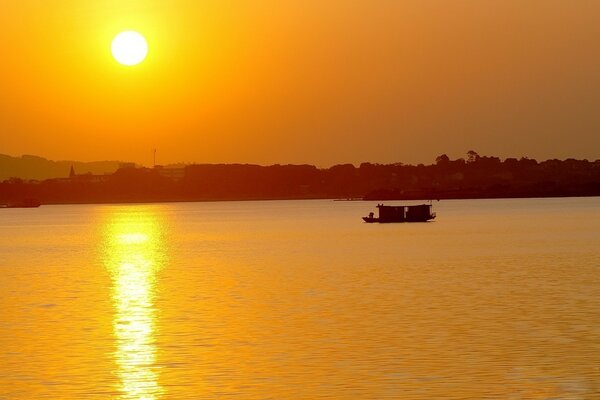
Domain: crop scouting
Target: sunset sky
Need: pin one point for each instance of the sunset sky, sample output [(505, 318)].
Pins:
[(301, 81)]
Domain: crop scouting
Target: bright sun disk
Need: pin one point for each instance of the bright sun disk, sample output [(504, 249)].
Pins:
[(129, 48)]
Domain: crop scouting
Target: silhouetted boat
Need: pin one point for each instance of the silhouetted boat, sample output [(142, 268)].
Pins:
[(417, 213), (27, 203)]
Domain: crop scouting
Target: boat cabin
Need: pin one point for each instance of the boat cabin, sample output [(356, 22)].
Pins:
[(416, 213)]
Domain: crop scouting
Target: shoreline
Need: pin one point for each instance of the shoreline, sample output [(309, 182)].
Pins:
[(334, 199)]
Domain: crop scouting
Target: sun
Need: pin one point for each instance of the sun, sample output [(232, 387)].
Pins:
[(129, 48)]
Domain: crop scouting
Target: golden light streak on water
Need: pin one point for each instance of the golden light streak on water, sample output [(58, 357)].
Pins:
[(133, 260)]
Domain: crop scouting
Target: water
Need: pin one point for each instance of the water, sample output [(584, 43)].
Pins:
[(300, 300)]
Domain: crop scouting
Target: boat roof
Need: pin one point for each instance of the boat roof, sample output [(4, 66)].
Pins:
[(411, 206)]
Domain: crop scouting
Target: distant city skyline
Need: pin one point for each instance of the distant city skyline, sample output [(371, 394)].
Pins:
[(320, 83)]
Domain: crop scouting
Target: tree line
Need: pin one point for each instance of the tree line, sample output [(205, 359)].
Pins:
[(474, 176)]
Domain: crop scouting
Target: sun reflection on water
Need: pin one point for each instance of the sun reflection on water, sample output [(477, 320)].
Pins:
[(133, 258)]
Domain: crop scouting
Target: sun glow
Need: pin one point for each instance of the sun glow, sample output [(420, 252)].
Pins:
[(129, 48)]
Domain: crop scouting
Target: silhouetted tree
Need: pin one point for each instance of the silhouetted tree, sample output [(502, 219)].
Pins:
[(442, 160), (472, 156)]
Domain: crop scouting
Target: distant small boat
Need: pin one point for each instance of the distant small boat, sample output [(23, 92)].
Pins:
[(27, 203), (417, 213)]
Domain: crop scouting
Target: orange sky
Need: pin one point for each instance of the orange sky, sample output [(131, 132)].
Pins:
[(301, 81)]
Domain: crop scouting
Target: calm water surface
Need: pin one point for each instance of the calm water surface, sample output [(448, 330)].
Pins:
[(300, 300)]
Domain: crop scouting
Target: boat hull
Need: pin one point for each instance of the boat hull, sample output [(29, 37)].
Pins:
[(372, 220), (27, 203)]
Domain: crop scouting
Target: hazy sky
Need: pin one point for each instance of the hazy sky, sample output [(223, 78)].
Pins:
[(301, 81)]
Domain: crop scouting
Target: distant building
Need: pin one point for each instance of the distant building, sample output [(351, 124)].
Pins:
[(174, 173), (87, 177)]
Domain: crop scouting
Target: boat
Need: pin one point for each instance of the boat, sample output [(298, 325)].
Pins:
[(27, 203), (416, 213)]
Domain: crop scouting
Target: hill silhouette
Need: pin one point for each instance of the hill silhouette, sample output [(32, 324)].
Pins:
[(39, 168)]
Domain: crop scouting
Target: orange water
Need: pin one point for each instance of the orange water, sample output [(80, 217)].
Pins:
[(300, 300)]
